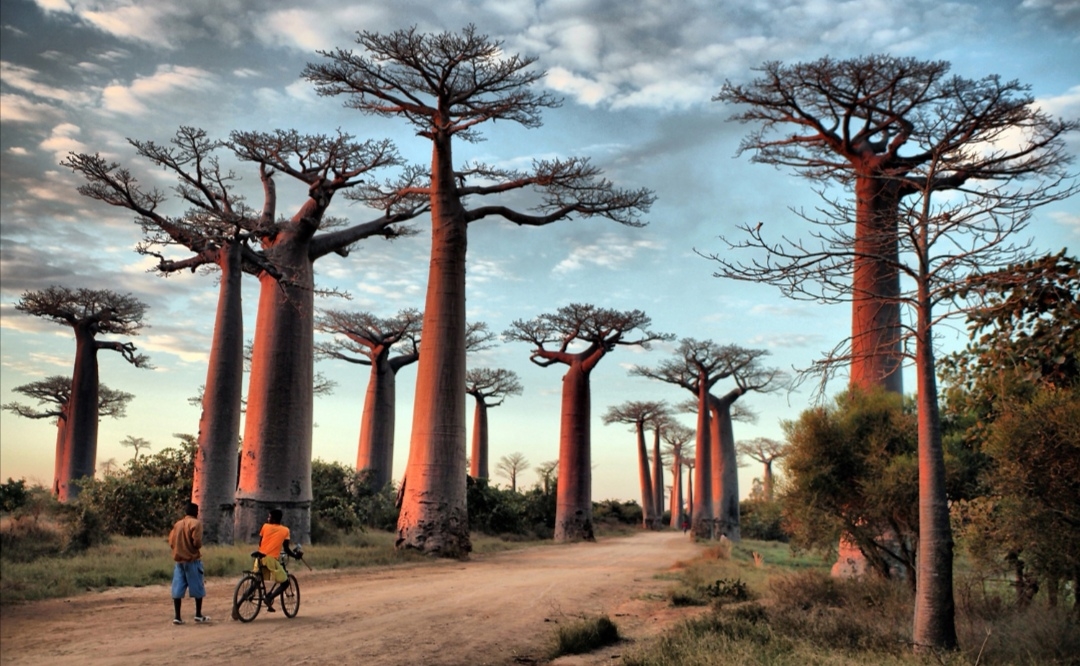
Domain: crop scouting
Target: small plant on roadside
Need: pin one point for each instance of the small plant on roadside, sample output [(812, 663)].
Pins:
[(584, 635)]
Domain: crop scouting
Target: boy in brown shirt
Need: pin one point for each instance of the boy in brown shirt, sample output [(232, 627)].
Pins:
[(185, 539)]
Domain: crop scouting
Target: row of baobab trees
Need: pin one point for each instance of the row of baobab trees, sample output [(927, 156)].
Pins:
[(945, 171)]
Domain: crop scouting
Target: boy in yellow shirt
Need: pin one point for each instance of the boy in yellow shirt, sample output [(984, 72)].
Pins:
[(273, 537)]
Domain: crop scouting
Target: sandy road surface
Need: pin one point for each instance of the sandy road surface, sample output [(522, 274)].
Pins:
[(495, 609)]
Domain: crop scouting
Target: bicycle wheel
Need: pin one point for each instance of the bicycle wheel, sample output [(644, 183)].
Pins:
[(290, 597), (248, 598)]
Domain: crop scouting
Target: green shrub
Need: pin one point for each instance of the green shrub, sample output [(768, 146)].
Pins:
[(584, 635), (13, 495), (762, 520)]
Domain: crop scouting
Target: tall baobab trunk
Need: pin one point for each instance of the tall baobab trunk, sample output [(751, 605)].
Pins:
[(876, 353), (80, 437), (649, 519), (214, 483), (935, 609), (275, 467), (727, 509), (701, 518), (573, 501), (658, 480), (478, 466), (767, 482), (433, 514), (690, 494), (375, 452), (61, 443), (676, 492)]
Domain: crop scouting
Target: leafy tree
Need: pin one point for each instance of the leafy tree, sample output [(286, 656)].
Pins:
[(1017, 385), (852, 470), (960, 191), (54, 393), (489, 387), (89, 312), (145, 497), (345, 499), (446, 85), (13, 495), (512, 465), (637, 413), (600, 330)]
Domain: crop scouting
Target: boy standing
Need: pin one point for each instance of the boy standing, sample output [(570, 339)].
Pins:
[(185, 539)]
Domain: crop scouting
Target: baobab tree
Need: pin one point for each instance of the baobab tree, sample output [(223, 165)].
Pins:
[(445, 85), (698, 365), (548, 473), (600, 330), (365, 339), (53, 395), (677, 437), (489, 387), (275, 469), (89, 313), (637, 413), (765, 451), (874, 123), (136, 443), (659, 422), (945, 240), (512, 465), (217, 228)]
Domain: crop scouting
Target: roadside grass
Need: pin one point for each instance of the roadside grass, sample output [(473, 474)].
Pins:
[(33, 570), (582, 635), (783, 610)]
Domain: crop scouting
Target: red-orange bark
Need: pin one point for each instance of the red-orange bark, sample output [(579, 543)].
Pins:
[(573, 501), (433, 515), (214, 483)]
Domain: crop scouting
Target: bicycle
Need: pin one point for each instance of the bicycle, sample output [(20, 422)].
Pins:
[(251, 591)]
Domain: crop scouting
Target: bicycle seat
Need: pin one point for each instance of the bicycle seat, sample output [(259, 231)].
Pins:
[(258, 555)]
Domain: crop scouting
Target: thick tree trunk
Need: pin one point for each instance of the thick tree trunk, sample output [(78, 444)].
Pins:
[(676, 493), (214, 485), (61, 451), (478, 465), (658, 480), (573, 502), (690, 495), (701, 518), (275, 467), (375, 452), (648, 508), (876, 353), (935, 609), (433, 514), (767, 483), (728, 504), (80, 441)]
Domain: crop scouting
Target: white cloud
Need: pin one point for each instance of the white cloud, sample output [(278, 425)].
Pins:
[(18, 109), (609, 251), (1067, 220), (25, 79), (62, 141), (157, 89)]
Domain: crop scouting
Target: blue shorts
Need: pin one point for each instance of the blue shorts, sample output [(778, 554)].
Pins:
[(188, 577)]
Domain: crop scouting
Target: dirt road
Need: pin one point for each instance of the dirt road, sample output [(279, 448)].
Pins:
[(496, 609)]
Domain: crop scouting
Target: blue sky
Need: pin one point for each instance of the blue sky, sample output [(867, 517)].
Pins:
[(637, 78)]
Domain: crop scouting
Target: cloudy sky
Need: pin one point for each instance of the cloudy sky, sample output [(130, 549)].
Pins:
[(637, 78)]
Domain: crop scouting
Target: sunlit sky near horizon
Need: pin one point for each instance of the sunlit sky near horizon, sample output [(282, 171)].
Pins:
[(637, 78)]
